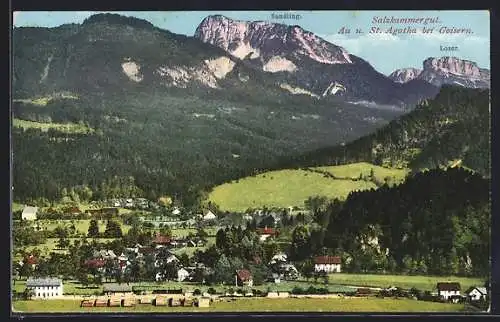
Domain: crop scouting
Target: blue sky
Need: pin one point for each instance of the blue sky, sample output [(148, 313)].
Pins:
[(385, 52)]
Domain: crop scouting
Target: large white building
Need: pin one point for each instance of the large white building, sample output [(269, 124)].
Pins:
[(45, 288)]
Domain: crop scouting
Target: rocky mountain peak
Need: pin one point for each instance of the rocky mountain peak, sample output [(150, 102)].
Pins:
[(452, 65), (404, 75), (266, 39), (446, 70)]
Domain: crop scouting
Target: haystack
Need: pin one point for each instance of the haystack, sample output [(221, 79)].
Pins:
[(160, 301)]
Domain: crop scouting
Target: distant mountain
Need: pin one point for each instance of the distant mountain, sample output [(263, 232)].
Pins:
[(451, 129), (446, 70), (405, 75), (308, 63), (171, 111)]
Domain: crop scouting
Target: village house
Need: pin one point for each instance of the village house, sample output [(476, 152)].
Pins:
[(243, 277), (45, 288), (97, 264), (162, 240), (29, 213), (30, 260), (265, 233), (209, 215), (182, 274), (476, 293), (328, 264), (448, 289), (278, 258)]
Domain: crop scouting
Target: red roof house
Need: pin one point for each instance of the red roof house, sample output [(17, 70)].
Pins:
[(244, 277), (328, 264), (162, 240)]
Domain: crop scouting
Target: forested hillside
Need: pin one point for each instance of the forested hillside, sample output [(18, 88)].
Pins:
[(436, 222), (453, 126)]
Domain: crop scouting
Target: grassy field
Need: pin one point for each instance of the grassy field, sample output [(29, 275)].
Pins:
[(423, 283), (256, 305), (281, 188), (50, 245), (81, 225), (66, 128), (354, 170)]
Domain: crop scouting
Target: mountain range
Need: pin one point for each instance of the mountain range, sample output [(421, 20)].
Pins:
[(180, 114)]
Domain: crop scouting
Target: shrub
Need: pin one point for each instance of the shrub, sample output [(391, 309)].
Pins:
[(297, 290), (211, 291), (197, 292)]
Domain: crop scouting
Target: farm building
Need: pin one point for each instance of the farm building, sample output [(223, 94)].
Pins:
[(329, 264), (476, 293), (45, 288), (117, 289), (448, 289), (29, 213), (244, 277), (265, 233)]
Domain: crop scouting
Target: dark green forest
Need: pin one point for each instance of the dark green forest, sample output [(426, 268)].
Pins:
[(436, 222), (454, 125)]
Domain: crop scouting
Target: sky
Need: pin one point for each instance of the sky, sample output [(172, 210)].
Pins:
[(384, 51)]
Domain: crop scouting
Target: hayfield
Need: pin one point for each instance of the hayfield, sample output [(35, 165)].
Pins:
[(256, 305), (423, 283), (281, 188)]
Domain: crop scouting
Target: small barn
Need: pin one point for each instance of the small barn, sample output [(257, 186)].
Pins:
[(476, 293)]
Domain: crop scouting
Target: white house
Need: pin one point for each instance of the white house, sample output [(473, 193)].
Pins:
[(182, 274), (477, 293), (29, 213), (328, 264), (209, 216), (45, 288), (280, 257), (448, 289)]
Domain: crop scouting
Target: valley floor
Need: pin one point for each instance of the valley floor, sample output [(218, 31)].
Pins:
[(255, 305)]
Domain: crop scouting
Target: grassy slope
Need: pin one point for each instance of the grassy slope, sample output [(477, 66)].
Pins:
[(66, 128), (286, 188), (423, 283), (257, 304)]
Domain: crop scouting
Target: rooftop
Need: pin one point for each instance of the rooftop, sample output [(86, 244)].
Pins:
[(448, 286), (327, 260), (47, 281)]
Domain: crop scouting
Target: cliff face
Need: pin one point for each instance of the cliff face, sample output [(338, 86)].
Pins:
[(404, 75), (267, 40), (446, 70), (452, 70)]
